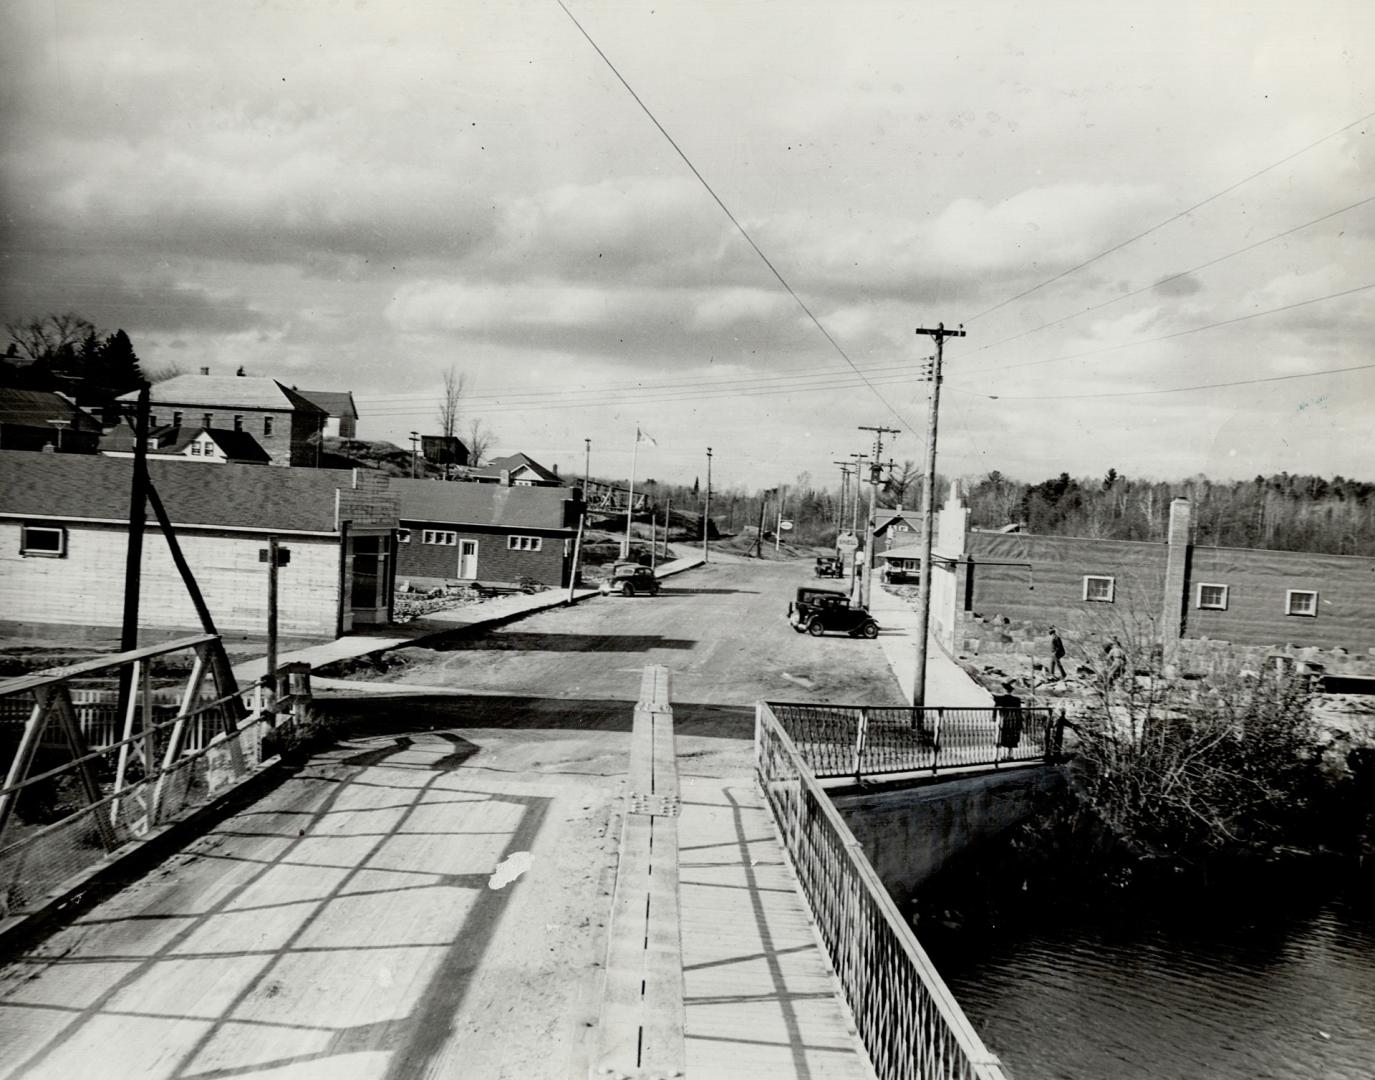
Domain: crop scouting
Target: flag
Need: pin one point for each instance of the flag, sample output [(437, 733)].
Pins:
[(644, 436)]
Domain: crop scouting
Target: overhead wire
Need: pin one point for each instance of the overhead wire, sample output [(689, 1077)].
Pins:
[(1166, 280), (1169, 220), (1168, 390), (735, 221)]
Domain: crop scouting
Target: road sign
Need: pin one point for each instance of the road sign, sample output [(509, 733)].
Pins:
[(785, 525), (847, 541)]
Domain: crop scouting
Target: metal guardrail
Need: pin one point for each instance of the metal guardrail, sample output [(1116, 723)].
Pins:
[(867, 740), (909, 1022), (83, 777)]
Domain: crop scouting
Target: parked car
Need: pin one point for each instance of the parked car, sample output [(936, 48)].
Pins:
[(628, 579), (829, 566), (818, 611)]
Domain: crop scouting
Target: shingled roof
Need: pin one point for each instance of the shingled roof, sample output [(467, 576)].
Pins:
[(334, 402), (483, 504), (95, 488), (35, 408)]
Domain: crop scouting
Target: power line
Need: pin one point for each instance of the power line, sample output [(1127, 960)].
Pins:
[(733, 220), (1172, 277), (1170, 390), (1170, 220), (1190, 330)]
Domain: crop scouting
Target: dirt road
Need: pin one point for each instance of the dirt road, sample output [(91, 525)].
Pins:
[(427, 899)]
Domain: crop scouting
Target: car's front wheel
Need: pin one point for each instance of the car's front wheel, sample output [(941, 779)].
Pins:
[(869, 629), (627, 589), (815, 628)]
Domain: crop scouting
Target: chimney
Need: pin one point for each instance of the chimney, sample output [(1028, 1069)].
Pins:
[(556, 469), (205, 371), (505, 477), (241, 372)]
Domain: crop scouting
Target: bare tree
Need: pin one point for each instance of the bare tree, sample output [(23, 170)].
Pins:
[(479, 440), (450, 402), (49, 336)]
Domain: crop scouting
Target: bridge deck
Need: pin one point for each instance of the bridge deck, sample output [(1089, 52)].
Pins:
[(760, 1000)]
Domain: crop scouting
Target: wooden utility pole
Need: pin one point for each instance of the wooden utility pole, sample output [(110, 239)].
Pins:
[(133, 558), (706, 515), (875, 470), (844, 495), (273, 556), (928, 503)]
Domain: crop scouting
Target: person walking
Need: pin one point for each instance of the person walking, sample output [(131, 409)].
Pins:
[(1057, 655)]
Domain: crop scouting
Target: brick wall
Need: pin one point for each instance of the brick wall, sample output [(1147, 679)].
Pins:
[(422, 563), (280, 445), (86, 588)]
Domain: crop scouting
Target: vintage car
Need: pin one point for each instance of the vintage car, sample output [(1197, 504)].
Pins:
[(829, 566), (820, 610), (628, 578)]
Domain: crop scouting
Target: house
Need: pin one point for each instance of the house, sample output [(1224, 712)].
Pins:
[(902, 564), (218, 446), (64, 524), (443, 450), (893, 526), (33, 419), (492, 533), (523, 471), (338, 406), (285, 424)]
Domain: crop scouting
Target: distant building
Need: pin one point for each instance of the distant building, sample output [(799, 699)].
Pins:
[(894, 526), (34, 419), (338, 406), (492, 533), (64, 531), (216, 446), (443, 450), (283, 421), (519, 470)]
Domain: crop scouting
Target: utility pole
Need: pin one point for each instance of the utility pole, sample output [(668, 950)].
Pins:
[(759, 533), (415, 442), (778, 527), (940, 333), (875, 469), (845, 467), (586, 467), (854, 509), (706, 515)]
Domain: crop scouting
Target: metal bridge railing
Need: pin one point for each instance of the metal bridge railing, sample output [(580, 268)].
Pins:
[(910, 1024), (868, 740), (83, 777)]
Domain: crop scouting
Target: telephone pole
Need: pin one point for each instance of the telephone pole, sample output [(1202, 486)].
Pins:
[(940, 333), (706, 515), (845, 468), (875, 470)]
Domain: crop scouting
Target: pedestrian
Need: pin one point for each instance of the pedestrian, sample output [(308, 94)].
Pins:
[(1007, 707), (1117, 661), (1057, 655)]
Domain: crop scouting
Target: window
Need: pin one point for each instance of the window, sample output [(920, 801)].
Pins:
[(1212, 597), (267, 425), (403, 536), (1099, 589), (1301, 602), (438, 536), (176, 419), (238, 423), (524, 543), (195, 449), (43, 540)]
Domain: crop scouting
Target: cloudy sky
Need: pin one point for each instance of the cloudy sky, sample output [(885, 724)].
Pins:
[(1126, 205)]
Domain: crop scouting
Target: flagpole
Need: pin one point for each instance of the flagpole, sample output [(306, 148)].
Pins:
[(630, 502)]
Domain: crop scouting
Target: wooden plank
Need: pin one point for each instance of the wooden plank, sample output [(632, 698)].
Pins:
[(89, 667)]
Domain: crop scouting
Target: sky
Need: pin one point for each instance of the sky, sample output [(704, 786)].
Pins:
[(721, 223)]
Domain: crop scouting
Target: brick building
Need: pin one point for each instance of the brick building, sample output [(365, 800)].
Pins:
[(996, 590), (283, 421), (493, 533)]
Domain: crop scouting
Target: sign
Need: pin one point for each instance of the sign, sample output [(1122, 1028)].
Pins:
[(785, 525), (847, 541)]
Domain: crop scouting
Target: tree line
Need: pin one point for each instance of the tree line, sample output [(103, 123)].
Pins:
[(66, 353)]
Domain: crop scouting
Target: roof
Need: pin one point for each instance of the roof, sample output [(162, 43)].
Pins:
[(34, 408), (334, 402), (239, 445), (886, 517), (903, 551), (483, 504), (514, 462), (227, 392), (97, 488)]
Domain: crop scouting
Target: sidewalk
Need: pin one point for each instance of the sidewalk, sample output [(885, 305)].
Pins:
[(502, 609), (946, 682)]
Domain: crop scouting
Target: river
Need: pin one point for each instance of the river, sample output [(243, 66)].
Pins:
[(1174, 991)]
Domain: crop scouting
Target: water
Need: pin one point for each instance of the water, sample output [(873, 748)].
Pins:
[(1204, 993)]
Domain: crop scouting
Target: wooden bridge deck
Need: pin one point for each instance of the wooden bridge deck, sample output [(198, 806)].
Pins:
[(759, 996)]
